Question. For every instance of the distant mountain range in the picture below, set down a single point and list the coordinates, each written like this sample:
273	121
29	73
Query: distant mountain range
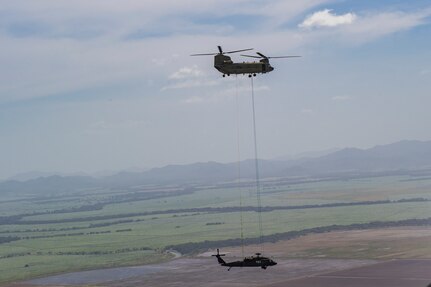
403	155
399	156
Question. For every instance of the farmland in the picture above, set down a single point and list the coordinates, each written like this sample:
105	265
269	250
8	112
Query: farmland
88	229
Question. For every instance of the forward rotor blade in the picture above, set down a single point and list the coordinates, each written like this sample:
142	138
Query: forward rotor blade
251	56
209	54
220	49
236	51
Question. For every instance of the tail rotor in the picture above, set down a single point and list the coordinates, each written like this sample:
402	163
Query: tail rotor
219	259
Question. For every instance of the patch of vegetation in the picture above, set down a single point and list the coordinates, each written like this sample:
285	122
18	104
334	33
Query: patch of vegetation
8	239
124	230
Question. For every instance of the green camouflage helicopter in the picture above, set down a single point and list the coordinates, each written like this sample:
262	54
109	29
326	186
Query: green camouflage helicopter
226	66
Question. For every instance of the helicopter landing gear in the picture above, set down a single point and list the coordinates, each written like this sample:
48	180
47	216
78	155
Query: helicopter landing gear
249	76
224	75
254	75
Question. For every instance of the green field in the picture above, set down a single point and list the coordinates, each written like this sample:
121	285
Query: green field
119	228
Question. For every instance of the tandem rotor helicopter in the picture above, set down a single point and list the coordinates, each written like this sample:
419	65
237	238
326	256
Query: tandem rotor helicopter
226	66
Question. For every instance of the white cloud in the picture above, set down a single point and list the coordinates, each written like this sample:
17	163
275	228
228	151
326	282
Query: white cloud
424	72
88	47
341	98
194	100
307	111
36	65
190	84
226	91
244	88
189	77
187	73
326	18
372	26
81	46
103	126
366	27
48	67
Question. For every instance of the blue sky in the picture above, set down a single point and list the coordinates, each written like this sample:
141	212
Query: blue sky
109	85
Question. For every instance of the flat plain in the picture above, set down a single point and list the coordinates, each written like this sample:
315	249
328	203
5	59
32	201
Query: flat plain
93	229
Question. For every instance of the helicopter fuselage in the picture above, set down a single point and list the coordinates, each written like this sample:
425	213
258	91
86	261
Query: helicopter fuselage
262	262
252	261
226	66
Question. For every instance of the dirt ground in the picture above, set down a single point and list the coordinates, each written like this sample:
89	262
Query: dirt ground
388	243
293	273
348	258
197	272
394	273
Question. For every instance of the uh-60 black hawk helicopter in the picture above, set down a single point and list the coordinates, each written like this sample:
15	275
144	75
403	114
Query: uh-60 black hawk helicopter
252	261
226	66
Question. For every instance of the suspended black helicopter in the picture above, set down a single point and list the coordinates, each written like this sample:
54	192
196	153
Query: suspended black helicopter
226	66
252	261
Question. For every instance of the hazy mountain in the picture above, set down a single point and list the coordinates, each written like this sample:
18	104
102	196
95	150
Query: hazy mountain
25	176
309	154
51	185
404	155
396	156
31	175
399	155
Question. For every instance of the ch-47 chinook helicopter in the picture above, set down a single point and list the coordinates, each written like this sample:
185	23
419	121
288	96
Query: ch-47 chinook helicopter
226	66
253	261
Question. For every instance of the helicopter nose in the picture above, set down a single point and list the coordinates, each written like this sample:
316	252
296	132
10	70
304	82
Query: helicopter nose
271	68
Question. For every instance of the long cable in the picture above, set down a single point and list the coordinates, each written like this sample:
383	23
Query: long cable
256	160
239	164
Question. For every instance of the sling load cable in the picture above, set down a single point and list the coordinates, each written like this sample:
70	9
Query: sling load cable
239	165
256	160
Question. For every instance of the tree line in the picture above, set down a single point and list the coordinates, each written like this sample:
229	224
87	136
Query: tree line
195	247
17	219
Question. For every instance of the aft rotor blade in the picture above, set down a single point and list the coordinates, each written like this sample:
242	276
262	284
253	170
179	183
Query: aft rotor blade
236	51
276	57
209	54
262	55
251	56
284	57
220	49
